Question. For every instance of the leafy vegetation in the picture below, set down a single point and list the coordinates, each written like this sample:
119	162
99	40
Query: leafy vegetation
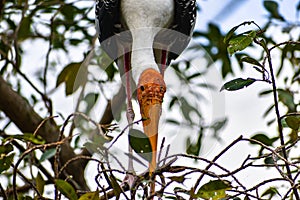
46	150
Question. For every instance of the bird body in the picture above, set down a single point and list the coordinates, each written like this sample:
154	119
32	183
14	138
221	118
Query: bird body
145	19
172	23
144	36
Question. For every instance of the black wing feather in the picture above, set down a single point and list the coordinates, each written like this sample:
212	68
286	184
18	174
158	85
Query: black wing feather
185	16
184	22
107	17
108	23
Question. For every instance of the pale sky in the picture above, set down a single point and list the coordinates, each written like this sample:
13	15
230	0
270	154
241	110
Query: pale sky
243	108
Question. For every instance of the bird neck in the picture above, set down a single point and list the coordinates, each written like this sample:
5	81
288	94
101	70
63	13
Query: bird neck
145	19
142	56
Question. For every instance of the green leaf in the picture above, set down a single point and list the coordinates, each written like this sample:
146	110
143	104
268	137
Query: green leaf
66	189
287	98
264	44
258	69
29	137
218	125
237	84
26	197
90	196
230	34
267	112
268	160
195	75
90	99
47	154
140	143
73	75
170	197
263	138
111	71
194	148
107	64
58	39
173	121
5	149
293	122
75	41
266	92
178	179
97	143
187	109
240	42
69	11
116	187
92	147
272	8
214	190
293	136
250	60
173	101
270	192
40	183
24	30
207	86
6	161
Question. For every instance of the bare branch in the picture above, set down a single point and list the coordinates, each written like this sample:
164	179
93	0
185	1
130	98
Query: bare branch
27	120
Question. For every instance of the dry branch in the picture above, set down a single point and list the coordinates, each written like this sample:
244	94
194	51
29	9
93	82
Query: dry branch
20	112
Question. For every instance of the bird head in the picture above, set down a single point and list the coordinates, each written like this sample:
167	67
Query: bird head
150	93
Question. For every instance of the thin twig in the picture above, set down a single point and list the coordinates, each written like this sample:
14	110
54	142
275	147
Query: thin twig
216	158
283	43
3	192
28	151
123	131
280	128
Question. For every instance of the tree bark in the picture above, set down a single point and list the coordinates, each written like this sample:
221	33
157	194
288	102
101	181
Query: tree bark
27	120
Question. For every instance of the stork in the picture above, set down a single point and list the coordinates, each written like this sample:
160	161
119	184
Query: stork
143	37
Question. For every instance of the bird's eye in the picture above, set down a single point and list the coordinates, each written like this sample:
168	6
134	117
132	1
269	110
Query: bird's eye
142	88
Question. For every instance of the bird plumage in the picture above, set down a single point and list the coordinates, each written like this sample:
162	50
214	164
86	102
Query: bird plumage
145	36
109	25
145	19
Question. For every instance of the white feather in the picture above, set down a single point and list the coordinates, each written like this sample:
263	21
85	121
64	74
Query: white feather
145	18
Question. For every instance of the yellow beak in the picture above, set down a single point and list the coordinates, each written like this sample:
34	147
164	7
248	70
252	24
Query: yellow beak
150	92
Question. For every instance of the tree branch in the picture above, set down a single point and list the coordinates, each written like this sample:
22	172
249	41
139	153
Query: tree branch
27	120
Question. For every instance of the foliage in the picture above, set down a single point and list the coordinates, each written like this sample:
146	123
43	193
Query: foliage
140	143
47	151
